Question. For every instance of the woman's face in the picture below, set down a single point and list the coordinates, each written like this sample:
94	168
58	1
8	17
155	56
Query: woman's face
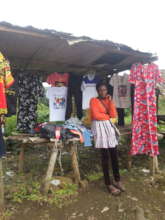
102	91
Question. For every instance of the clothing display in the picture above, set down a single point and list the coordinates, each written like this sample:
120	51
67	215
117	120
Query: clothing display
106	154
144	127
29	90
121	90
54	78
6	80
11	96
74	90
75	124
57	103
88	88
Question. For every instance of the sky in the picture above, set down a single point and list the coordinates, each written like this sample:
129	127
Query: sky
136	23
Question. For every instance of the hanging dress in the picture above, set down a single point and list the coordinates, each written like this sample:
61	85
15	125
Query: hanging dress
6	80
144	127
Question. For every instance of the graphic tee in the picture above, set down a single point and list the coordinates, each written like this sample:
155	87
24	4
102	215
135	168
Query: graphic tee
57	103
121	91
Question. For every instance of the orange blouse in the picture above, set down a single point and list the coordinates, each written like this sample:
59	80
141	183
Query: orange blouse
98	111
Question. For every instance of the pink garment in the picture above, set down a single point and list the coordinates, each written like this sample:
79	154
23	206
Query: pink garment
144	127
58	77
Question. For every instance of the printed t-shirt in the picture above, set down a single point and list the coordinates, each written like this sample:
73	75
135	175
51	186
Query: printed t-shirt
57	103
121	91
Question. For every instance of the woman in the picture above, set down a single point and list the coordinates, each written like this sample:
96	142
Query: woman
102	111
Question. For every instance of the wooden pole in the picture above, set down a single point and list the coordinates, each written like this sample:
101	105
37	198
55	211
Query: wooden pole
75	165
51	166
154	165
2	202
21	159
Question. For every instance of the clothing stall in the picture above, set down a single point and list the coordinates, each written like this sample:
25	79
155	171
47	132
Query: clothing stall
72	74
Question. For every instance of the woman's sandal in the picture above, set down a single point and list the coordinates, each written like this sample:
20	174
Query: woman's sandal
119	186
113	190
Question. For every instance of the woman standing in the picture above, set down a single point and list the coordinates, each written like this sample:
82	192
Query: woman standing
102	111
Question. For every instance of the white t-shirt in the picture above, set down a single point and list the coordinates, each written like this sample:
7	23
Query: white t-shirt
121	90
88	88
57	103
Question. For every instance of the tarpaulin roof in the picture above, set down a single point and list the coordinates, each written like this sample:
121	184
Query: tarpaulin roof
48	50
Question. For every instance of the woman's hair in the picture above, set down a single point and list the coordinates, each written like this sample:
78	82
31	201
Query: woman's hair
99	84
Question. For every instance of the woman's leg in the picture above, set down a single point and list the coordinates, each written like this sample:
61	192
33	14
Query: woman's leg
105	166
115	163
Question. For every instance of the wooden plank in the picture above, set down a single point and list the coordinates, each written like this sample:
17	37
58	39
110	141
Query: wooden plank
51	166
2	200
75	164
21	159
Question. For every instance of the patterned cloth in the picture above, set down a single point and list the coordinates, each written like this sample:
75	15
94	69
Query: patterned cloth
104	134
30	89
6	80
144	127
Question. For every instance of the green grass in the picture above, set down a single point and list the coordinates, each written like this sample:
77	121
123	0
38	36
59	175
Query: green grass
161	105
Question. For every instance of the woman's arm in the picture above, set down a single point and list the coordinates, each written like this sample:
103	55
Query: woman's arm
112	111
95	113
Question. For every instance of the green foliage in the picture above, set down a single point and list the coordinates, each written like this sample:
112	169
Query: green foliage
94	176
31	191
10	125
42	113
162	105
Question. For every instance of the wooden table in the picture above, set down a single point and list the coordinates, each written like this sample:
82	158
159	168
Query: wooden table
55	145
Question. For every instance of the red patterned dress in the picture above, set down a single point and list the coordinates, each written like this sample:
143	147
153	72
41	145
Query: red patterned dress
144	127
6	80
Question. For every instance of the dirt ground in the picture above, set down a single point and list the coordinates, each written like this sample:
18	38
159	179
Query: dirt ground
143	194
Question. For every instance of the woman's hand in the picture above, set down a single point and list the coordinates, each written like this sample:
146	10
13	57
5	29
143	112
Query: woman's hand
109	97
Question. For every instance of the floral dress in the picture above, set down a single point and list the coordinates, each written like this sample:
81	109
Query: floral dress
144	127
6	80
29	90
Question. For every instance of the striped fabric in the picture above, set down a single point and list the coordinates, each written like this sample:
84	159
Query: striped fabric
104	134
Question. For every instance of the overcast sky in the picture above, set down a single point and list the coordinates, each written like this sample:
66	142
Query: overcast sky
137	23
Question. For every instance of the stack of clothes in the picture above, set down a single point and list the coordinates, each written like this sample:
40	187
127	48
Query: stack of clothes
70	129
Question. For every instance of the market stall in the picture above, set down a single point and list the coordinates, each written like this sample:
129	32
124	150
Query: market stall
72	66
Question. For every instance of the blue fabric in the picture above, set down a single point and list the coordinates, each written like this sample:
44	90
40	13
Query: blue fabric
88	81
85	132
87	138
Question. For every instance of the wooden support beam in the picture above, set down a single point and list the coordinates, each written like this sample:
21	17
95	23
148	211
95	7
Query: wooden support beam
2	200
75	165
21	159
154	166
51	166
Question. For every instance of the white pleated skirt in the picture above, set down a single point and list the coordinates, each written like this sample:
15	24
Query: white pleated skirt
104	134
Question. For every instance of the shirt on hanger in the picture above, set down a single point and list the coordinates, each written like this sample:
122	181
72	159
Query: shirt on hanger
57	103
88	88
53	78
121	90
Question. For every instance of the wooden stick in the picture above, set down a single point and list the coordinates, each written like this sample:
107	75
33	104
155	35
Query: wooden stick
154	165
21	159
2	201
75	164
51	166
